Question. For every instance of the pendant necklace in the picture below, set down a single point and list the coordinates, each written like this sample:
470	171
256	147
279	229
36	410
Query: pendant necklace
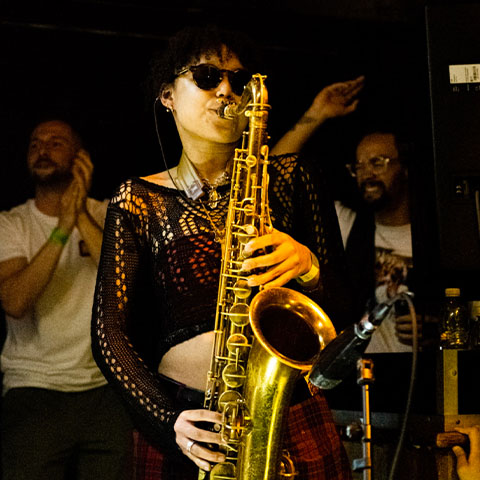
219	232
213	196
196	187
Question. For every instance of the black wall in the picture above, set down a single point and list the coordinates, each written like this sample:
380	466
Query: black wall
89	60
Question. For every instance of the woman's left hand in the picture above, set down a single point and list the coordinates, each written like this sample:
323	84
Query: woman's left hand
286	259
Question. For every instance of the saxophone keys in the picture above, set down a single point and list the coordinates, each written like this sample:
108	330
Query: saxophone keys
238	345
241	289
251	161
229	397
233	375
245	233
235	420
223	471
239	314
249	209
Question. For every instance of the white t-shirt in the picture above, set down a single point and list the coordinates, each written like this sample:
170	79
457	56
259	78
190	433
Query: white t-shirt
393	259
50	347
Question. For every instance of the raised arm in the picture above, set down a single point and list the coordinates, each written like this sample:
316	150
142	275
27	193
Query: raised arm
21	281
335	100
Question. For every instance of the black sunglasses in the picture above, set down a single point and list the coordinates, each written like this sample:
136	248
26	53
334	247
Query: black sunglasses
208	76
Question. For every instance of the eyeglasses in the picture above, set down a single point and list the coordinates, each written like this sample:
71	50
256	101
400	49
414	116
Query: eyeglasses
375	164
208	76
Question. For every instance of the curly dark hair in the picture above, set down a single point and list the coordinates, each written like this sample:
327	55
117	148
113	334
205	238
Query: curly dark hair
190	43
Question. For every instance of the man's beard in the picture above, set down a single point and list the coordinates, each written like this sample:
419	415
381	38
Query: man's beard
377	200
53	179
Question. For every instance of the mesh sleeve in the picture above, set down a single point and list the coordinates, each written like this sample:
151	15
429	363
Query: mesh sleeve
113	320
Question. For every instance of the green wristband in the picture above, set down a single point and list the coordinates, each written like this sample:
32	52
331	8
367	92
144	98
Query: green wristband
58	236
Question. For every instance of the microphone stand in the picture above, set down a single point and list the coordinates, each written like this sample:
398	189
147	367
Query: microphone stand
365	378
341	356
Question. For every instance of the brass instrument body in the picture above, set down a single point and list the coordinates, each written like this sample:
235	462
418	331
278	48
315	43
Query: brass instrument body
242	224
247	218
289	331
253	367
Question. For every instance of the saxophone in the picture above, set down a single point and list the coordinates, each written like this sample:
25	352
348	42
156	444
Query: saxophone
261	345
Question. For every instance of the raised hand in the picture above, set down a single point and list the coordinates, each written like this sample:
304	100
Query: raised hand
82	171
69	207
336	100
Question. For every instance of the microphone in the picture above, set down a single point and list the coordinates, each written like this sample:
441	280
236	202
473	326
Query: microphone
340	356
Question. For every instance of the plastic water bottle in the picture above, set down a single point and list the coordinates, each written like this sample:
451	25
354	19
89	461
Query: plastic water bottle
455	320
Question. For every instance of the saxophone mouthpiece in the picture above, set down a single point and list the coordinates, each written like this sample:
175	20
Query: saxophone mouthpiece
227	110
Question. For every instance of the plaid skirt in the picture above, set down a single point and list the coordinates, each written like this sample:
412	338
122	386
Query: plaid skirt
311	438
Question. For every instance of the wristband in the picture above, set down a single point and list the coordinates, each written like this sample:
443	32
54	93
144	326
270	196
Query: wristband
58	236
311	274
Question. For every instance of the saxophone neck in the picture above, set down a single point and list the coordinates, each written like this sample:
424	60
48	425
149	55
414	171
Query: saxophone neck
254	95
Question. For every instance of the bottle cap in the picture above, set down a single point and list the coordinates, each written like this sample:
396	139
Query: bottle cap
452	292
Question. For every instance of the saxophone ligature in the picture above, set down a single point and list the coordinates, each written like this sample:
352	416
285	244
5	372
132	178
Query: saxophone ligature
261	344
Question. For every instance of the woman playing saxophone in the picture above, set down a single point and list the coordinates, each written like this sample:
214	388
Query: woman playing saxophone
156	292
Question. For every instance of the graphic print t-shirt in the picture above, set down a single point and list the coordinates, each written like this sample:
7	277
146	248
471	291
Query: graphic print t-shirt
393	262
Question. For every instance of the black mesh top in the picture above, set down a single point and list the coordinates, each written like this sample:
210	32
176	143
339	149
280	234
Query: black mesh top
157	283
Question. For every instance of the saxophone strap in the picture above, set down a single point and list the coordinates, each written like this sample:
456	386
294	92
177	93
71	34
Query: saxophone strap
196	187
188	179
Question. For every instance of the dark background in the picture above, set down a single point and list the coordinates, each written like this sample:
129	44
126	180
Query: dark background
89	59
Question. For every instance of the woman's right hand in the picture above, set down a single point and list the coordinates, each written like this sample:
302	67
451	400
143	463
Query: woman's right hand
193	441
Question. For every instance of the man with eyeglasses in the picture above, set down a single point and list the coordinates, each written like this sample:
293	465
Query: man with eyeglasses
382	220
377	234
59	417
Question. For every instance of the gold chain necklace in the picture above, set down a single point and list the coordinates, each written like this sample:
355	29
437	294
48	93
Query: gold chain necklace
219	232
213	196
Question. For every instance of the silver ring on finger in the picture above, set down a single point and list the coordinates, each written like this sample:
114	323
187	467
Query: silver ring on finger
190	444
